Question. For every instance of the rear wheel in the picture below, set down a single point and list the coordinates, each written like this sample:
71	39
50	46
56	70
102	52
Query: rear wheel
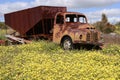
67	43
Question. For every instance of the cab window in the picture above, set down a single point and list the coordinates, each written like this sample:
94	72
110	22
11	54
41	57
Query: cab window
71	18
59	19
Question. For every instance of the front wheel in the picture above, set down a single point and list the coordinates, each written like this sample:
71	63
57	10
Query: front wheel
67	43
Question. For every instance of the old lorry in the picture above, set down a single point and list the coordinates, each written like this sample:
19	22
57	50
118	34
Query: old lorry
54	24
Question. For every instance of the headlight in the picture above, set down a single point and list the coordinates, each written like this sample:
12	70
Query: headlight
80	36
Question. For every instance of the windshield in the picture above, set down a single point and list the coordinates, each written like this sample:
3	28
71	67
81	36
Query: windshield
75	18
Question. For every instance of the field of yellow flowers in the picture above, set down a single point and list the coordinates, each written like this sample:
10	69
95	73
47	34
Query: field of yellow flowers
47	61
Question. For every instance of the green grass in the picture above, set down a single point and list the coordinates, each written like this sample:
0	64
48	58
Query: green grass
47	61
2	34
117	30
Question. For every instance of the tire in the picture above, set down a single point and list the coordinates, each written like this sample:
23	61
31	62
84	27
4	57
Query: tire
67	43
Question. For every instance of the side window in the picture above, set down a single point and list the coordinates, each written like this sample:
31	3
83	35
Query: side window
59	19
82	19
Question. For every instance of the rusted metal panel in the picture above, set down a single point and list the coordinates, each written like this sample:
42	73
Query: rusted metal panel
35	14
50	13
22	21
78	31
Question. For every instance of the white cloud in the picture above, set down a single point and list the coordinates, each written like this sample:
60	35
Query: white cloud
91	3
114	19
1	14
109	12
76	3
9	7
112	14
71	4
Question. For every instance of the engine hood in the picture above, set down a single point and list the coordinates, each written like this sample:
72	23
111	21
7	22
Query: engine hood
80	28
79	25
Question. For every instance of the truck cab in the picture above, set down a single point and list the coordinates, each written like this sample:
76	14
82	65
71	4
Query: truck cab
72	28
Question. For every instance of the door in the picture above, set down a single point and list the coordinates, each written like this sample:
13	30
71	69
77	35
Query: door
58	25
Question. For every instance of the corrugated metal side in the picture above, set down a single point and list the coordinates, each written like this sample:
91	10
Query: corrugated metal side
35	14
49	12
24	20
19	21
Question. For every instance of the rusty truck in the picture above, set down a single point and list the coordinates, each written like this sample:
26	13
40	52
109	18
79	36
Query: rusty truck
55	24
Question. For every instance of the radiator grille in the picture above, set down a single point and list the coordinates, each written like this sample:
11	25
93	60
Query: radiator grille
93	37
88	37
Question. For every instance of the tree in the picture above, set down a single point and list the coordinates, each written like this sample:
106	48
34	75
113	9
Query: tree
117	24
2	25
104	26
104	18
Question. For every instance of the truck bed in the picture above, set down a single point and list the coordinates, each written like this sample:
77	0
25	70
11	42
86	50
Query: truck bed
33	21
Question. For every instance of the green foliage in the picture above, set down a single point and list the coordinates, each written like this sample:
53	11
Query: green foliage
104	26
117	25
2	34
108	28
47	61
104	18
117	29
112	49
2	25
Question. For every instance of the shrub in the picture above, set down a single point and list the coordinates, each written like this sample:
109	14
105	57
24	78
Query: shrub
104	26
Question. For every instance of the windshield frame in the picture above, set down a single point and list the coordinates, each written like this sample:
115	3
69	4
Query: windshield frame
73	18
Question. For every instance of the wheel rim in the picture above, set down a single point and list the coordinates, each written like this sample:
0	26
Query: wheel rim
67	45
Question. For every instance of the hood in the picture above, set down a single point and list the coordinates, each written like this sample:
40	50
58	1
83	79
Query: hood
79	25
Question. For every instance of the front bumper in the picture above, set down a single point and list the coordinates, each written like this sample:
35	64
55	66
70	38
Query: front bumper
99	43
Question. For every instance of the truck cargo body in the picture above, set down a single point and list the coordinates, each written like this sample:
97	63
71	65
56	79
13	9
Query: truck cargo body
33	21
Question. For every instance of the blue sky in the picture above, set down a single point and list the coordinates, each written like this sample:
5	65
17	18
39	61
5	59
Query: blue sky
92	8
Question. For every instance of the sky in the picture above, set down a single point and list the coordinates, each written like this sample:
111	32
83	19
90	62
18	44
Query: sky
93	9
